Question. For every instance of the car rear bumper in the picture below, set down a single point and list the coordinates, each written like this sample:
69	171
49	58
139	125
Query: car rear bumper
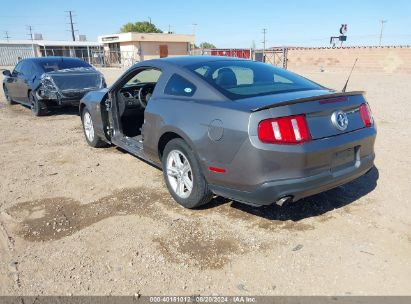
262	174
59	100
297	188
68	102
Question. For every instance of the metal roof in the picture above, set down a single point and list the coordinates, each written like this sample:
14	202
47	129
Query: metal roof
50	43
146	37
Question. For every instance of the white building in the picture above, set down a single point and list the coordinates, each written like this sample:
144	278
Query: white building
128	48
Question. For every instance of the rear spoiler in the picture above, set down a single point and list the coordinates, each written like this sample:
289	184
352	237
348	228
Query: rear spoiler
305	99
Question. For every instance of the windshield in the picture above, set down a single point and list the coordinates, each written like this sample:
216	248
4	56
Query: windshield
242	79
61	64
144	76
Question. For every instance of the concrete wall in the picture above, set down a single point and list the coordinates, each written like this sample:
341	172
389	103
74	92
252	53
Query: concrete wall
370	59
150	50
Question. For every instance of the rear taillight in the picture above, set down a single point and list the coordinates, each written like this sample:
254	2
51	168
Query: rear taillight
366	115
284	130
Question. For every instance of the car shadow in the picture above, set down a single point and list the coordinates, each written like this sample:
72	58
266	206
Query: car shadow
56	111
312	206
68	110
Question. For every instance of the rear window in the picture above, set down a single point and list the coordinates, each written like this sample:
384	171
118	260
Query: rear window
61	64
242	79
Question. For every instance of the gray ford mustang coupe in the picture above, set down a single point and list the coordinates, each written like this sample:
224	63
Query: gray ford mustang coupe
240	129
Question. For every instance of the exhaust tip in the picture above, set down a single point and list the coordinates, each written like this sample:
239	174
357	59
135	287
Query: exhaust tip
284	200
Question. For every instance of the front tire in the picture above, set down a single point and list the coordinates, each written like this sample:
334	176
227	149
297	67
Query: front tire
89	130
183	175
38	107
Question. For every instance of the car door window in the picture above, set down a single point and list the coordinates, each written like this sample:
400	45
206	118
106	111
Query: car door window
145	76
179	86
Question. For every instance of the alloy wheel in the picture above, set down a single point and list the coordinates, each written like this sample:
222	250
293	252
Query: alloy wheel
88	126
179	173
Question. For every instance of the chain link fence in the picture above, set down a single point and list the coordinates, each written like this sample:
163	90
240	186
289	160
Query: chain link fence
122	59
97	56
274	56
9	56
238	53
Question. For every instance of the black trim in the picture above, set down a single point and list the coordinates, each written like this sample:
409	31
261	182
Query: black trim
305	99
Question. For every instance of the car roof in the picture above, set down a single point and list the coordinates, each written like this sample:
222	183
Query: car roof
189	60
51	59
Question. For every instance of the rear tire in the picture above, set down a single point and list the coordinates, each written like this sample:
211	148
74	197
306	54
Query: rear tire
9	100
38	107
183	176
89	130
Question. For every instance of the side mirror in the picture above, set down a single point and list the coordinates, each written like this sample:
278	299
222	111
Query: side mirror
7	73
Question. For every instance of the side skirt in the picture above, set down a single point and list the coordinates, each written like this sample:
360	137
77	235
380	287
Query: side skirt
134	145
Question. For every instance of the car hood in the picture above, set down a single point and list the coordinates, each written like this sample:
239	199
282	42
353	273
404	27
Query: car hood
77	79
97	95
269	101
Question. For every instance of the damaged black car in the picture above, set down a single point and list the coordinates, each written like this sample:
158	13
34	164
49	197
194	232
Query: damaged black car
46	82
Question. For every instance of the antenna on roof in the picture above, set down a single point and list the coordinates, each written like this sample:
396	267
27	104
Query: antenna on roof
348	79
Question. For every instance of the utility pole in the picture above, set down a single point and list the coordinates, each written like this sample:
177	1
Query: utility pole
6	35
194	28
382	28
72	25
264	42
194	34
30	34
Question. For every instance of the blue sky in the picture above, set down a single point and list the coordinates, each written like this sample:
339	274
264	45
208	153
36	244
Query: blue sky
225	23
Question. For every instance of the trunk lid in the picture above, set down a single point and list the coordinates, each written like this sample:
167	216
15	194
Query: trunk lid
77	79
322	109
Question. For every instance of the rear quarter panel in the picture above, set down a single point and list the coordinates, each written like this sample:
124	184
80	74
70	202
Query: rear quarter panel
213	129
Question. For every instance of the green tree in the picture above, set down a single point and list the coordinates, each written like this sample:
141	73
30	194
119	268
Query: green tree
140	27
207	45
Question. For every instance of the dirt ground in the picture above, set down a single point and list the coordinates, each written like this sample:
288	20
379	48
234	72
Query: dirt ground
78	220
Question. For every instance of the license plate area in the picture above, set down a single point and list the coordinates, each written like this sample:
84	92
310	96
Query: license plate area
345	159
